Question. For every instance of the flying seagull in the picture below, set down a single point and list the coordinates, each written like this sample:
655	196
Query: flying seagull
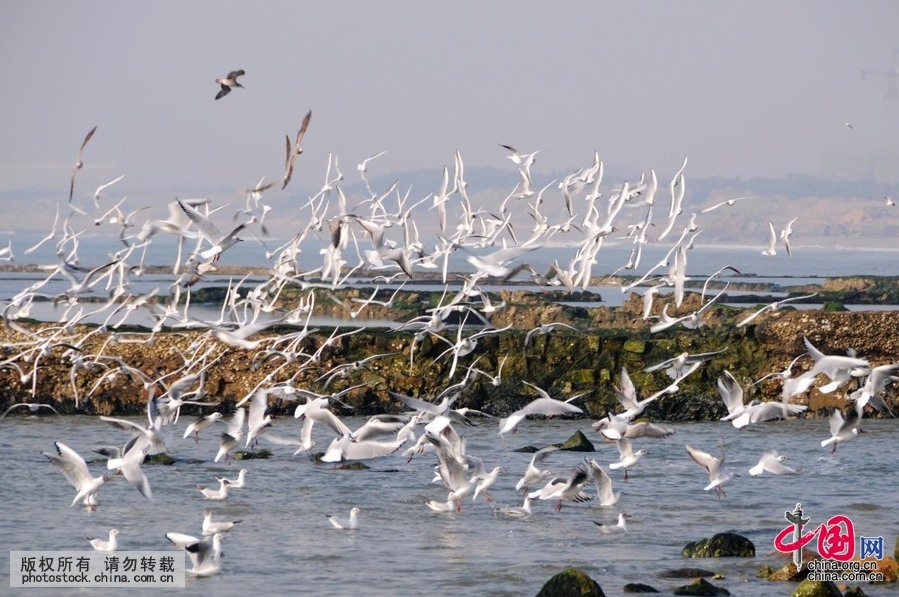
78	163
295	150
229	82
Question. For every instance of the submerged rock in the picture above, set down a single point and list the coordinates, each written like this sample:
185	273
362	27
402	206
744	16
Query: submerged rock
636	587
686	573
817	588
571	583
578	442
252	455
700	586
720	545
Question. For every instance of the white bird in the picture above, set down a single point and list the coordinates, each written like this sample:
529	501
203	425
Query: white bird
875	383
758	412
208	230
205	556
603	483
544	329
775	306
771	462
676	366
545	406
615	427
564	488
75	470
728	202
211	527
215	494
110	544
839	368
842	430
516	511
200	424
628	457
350	523
486	481
713	466
258	421
621	527
534	473
772	242
732	393
231	438
785	235
237	483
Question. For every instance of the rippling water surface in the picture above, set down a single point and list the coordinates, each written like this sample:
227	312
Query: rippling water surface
285	545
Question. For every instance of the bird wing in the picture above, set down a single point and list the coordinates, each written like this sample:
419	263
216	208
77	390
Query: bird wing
704	459
71	464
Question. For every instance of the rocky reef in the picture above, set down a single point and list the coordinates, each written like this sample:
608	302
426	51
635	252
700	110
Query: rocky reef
86	370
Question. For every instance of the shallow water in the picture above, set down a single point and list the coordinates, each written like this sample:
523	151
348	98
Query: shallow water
285	544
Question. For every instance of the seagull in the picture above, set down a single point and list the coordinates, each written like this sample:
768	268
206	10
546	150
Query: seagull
842	430
785	235
732	393
564	488
215	494
545	405
206	556
614	427
74	468
677	365
220	242
628	457
33	409
728	202
621	527
848	125
211	528
771	461
889	201
229	83
603	483
293	151
772	241
875	383
351	523
758	412
200	424
237	483
534	473
486	481
775	306
105	545
544	329
78	163
712	466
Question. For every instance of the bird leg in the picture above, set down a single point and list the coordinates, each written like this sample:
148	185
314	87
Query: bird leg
559	506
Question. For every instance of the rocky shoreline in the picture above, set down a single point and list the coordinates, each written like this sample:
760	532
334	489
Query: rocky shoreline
563	362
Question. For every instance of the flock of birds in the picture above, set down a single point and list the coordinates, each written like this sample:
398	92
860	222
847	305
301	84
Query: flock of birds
379	236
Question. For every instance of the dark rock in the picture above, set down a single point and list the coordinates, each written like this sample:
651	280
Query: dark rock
854	592
527	449
161	458
702	587
686	573
353	466
577	443
816	588
720	545
788	572
571	583
252	454
636	587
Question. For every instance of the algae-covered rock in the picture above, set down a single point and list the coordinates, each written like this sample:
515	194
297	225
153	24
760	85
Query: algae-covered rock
686	573
788	573
720	545
635	346
817	588
252	454
701	586
571	583
577	443
354	466
636	587
161	458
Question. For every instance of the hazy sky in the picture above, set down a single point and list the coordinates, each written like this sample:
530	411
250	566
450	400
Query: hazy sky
741	88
